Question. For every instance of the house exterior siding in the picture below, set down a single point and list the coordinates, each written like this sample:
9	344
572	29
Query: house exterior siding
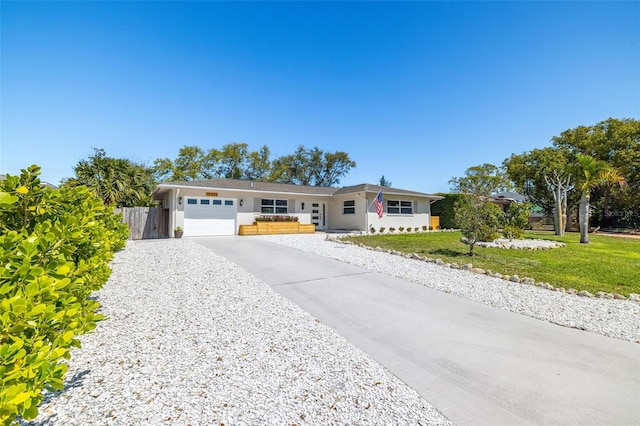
349	208
419	218
351	221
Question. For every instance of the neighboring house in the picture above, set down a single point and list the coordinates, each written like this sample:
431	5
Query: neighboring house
220	206
504	199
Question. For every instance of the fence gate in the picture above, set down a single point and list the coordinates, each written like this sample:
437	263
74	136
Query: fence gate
146	222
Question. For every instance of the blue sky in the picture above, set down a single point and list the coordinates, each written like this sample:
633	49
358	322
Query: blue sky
417	91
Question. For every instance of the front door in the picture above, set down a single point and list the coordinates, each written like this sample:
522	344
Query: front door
319	215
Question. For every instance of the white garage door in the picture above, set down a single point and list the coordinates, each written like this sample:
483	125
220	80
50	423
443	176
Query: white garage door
205	216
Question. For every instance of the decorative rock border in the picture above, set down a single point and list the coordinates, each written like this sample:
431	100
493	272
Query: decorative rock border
469	267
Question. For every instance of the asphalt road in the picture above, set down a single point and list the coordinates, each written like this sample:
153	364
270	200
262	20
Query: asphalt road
477	364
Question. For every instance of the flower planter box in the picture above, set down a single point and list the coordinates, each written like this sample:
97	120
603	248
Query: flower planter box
307	229
271	228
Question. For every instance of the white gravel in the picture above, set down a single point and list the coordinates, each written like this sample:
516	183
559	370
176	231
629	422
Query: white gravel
192	339
506	243
614	318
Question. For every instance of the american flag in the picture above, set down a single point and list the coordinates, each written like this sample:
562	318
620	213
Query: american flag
378	203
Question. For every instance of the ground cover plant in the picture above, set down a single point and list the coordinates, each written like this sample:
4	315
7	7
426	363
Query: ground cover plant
55	247
608	264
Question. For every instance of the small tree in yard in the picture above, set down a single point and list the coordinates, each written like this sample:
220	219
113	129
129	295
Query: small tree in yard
477	219
475	215
517	220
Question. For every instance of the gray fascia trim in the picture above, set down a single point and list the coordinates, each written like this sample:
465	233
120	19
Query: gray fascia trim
262	191
407	194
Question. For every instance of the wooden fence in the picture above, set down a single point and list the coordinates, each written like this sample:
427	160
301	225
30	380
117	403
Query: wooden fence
434	222
146	222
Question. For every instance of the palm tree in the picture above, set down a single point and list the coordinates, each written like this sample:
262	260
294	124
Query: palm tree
591	174
118	182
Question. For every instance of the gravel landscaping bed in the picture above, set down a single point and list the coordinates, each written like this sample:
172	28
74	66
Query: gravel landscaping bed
614	318
192	339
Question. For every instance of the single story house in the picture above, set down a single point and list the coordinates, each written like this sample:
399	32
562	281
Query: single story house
220	206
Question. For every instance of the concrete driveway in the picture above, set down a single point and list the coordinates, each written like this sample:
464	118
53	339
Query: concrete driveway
477	364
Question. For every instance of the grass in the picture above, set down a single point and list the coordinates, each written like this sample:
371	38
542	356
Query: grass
608	264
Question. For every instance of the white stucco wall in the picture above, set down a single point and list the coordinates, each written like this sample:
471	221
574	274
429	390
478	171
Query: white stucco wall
339	220
247	212
364	218
419	218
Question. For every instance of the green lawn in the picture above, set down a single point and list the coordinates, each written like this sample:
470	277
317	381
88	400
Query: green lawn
609	264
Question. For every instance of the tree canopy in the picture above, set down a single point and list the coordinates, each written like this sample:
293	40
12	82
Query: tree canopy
117	181
615	142
482	180
312	167
527	171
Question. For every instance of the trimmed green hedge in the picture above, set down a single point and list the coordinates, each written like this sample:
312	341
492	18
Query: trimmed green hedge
445	210
55	247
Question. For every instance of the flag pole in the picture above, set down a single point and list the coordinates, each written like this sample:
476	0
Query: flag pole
373	201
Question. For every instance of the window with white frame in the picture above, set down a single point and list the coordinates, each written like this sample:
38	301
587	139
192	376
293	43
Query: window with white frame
349	207
270	206
399	207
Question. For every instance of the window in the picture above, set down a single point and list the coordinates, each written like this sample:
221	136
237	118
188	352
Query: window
274	206
228	202
217	202
281	207
192	201
349	207
399	207
207	202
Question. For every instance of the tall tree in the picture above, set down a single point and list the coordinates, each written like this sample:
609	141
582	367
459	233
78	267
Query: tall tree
117	181
334	166
232	160
541	175
291	168
617	143
591	174
259	164
192	163
384	182
559	184
312	167
528	170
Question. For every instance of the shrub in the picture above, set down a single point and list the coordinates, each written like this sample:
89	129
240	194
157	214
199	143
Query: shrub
512	232
445	209
276	218
382	228
416	229
487	233
55	246
431	228
392	229
425	227
517	220
372	230
401	228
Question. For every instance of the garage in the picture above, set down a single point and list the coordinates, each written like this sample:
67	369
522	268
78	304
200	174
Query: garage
205	216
